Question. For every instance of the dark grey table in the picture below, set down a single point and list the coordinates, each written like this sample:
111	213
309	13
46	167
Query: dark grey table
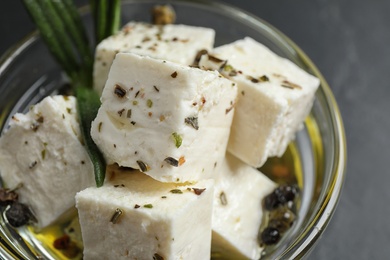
349	41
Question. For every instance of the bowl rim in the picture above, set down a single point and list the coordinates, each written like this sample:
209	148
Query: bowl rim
306	241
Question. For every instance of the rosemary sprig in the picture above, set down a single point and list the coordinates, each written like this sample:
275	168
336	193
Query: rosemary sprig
88	103
63	32
107	17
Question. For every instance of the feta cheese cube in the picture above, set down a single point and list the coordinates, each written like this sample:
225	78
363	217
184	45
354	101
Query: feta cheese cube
133	216
173	42
237	214
168	120
42	150
275	96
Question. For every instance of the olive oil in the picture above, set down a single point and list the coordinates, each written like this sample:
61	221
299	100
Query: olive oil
287	169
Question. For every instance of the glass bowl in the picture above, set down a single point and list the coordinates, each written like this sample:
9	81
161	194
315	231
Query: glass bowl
318	155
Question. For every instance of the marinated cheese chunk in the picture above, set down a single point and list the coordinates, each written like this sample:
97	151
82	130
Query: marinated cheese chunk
237	213
42	152
275	96
168	120
133	216
173	42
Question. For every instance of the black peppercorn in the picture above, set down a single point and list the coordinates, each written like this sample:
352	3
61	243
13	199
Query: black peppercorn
270	236
18	214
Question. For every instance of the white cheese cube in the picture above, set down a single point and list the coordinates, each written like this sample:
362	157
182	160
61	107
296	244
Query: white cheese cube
275	96
237	214
136	217
168	120
173	42
42	151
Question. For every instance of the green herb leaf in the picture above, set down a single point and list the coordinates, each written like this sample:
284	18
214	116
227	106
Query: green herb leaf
88	103
178	139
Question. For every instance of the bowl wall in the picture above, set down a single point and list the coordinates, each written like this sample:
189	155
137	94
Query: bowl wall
28	73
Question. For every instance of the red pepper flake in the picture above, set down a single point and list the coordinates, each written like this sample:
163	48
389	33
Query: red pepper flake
198	191
182	160
67	246
150	114
119	91
174	74
62	242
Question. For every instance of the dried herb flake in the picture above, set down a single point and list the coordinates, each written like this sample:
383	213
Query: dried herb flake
172	161
117	214
192	121
119	91
143	166
149	103
223	199
176	191
178	139
198	191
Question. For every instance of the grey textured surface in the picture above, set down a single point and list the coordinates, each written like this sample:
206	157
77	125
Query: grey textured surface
349	42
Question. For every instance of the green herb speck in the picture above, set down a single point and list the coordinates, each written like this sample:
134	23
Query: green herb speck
148	206
178	139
